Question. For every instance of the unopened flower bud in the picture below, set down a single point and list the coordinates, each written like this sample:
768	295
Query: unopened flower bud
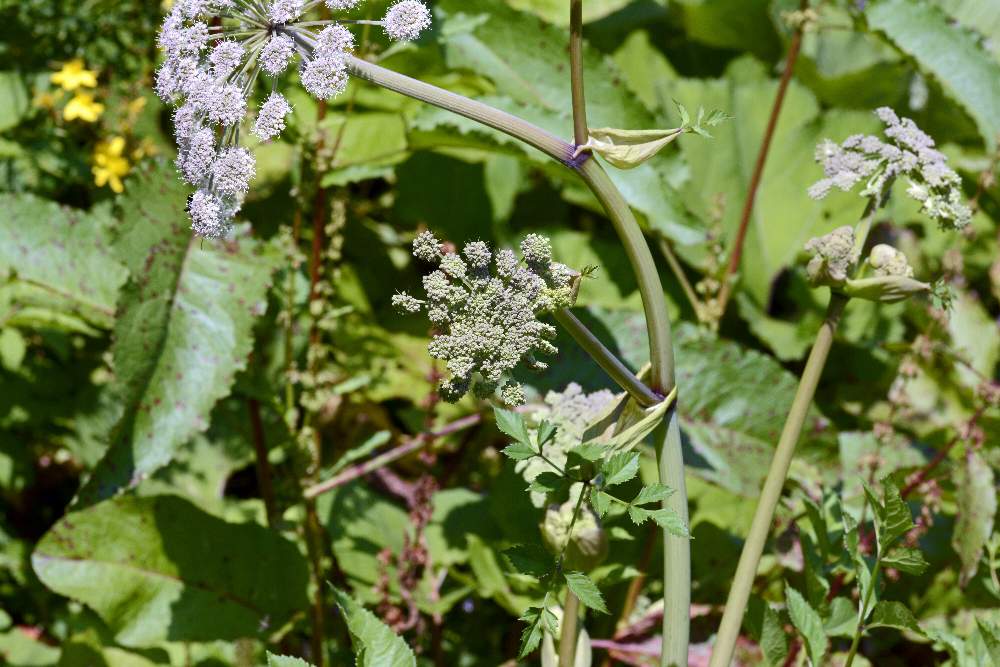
586	547
888	261
887	289
833	257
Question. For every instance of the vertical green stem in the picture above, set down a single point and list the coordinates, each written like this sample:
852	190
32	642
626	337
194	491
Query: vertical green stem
746	570
856	640
580	131
676	550
568	630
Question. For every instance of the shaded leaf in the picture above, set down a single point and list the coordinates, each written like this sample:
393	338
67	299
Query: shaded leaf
620	468
766	628
889	614
529	559
905	559
159	569
512	424
285	661
976	495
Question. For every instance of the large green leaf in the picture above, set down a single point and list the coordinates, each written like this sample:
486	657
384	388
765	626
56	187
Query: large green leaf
808	623
160	569
950	53
14	102
532	82
184	329
976	495
375	645
56	264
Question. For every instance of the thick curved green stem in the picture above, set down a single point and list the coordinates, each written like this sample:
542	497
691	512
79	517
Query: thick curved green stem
580	131
746	570
613	366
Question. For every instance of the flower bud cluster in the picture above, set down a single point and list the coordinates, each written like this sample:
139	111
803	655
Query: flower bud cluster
215	52
486	307
909	153
833	257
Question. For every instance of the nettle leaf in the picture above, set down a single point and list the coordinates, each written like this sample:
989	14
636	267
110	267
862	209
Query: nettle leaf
586	590
954	56
285	661
529	559
842	618
906	559
975	493
512	424
653	493
892	519
375	645
58	264
887	614
808	623
184	330
765	626
159	569
620	468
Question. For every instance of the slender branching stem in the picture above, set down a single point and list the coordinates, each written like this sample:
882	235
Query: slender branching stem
265	483
580	130
736	254
863	614
678	271
746	570
611	364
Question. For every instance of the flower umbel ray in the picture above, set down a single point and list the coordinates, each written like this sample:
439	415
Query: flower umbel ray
217	51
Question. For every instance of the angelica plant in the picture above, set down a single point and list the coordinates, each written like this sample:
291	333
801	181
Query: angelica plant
216	53
836	263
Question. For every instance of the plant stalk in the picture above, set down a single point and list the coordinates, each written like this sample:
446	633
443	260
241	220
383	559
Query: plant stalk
568	630
856	640
611	364
746	570
677	578
581	133
736	255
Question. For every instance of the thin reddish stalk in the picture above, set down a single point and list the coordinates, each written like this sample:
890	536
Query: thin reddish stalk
265	483
736	255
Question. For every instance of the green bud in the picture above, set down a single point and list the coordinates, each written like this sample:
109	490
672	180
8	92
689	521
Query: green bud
887	289
588	545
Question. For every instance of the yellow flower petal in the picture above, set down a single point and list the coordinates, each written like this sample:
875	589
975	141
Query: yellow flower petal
83	107
74	75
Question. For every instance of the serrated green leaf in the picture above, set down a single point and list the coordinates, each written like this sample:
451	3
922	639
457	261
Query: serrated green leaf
905	559
841	619
548	482
892	519
512	424
184	330
529	559
953	56
285	661
990	635
668	519
546	431
589	451
653	493
808	623
586	590
890	614
620	468
976	496
531	636
600	501
159	569
519	451
375	645
766	628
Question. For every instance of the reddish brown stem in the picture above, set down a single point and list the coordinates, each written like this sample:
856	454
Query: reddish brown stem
264	479
920	477
736	255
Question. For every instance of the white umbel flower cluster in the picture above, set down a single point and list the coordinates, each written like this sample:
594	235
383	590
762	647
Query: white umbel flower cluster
486	310
909	153
216	51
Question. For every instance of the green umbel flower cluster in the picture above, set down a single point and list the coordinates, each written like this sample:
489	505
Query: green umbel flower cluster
486	308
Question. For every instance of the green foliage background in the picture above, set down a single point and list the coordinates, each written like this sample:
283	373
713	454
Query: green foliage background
140	367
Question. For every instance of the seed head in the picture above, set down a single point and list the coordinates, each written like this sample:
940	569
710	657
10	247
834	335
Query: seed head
406	19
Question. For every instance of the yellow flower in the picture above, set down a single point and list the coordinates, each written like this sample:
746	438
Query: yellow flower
73	75
46	100
84	107
136	106
109	165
